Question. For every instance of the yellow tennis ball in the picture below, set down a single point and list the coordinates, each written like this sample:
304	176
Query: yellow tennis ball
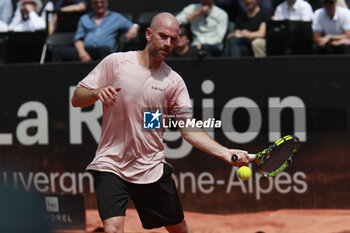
244	173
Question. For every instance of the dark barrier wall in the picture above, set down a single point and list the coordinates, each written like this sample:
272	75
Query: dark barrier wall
45	144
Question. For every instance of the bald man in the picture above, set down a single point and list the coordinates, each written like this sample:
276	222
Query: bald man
129	161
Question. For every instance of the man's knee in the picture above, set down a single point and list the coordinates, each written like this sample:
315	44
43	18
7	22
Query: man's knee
259	47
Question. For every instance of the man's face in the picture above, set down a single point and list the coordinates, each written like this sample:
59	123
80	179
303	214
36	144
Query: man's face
26	3
99	6
162	39
183	39
27	6
206	2
330	7
251	4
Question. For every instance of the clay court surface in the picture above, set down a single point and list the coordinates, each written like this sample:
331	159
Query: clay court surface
280	221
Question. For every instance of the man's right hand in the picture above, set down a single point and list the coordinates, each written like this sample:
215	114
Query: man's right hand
107	95
84	57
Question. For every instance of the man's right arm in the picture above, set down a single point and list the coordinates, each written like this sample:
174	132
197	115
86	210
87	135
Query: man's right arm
84	97
82	53
74	7
319	39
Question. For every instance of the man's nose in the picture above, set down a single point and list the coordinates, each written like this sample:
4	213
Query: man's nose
168	42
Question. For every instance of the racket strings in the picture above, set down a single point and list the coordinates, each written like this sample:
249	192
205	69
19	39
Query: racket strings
278	155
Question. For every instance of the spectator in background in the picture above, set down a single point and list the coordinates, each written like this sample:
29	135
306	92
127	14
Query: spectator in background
26	17
331	29
316	4
6	10
96	34
66	6
296	10
208	24
249	37
183	47
235	8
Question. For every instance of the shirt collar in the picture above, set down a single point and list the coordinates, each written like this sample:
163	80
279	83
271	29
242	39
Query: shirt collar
336	14
295	5
91	13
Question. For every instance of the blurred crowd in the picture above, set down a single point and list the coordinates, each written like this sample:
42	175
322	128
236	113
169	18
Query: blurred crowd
221	28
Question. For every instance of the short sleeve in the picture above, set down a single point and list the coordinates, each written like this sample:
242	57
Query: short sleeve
80	33
316	22
181	17
179	101
346	22
102	75
124	22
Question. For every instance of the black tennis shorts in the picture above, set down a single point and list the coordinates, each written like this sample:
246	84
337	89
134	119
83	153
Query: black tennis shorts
157	204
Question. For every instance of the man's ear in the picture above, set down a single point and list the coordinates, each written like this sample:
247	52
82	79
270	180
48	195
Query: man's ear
148	34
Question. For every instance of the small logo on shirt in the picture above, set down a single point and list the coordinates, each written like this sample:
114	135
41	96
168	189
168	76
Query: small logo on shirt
151	119
157	88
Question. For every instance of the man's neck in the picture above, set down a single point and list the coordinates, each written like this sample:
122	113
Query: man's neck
210	5
252	12
331	13
291	2
147	60
101	15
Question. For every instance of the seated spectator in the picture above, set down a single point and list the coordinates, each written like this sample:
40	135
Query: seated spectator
96	34
316	4
235	8
208	24
6	10
26	17
249	37
297	10
66	6
331	29
183	47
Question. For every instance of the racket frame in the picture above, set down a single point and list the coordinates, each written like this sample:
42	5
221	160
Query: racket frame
260	157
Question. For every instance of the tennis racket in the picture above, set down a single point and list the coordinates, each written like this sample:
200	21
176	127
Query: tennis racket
276	158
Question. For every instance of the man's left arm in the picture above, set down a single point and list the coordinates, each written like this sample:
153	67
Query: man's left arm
340	39
260	33
132	32
198	138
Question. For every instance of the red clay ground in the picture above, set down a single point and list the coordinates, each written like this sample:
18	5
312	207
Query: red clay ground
280	221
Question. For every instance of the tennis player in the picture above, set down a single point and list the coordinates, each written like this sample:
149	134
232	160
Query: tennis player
129	161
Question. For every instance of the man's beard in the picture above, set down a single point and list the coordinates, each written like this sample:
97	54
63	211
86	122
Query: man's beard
155	53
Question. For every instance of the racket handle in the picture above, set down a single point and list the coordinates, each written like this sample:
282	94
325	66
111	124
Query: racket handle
235	157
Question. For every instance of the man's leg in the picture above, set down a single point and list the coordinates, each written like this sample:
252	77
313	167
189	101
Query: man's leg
114	224
259	47
98	53
64	53
181	227
112	199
